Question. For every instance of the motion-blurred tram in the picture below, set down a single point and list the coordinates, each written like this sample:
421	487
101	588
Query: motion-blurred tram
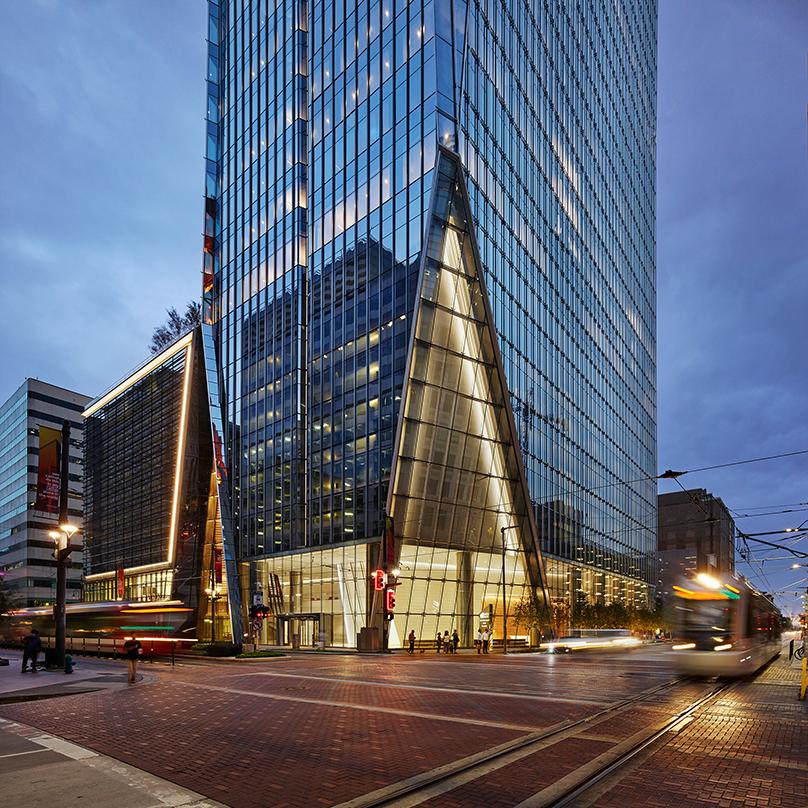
102	627
723	629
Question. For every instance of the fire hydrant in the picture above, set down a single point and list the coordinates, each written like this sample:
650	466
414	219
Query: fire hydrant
68	663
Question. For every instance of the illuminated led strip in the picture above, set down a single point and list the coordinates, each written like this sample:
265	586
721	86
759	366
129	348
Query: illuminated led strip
139	374
184	343
159	565
175	505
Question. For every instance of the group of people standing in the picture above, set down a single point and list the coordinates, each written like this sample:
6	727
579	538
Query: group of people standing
483	640
448	643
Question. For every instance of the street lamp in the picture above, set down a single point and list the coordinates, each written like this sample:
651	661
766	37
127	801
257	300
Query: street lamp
504	593
213	593
61	538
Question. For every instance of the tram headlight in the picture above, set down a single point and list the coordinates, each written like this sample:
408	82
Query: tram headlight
708	582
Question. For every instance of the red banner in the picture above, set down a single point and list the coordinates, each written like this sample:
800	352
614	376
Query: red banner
121	579
48	476
217	565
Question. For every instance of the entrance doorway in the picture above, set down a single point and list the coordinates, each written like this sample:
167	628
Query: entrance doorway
299	630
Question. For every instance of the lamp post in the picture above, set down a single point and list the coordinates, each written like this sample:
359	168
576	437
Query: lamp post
214	593
504	592
61	538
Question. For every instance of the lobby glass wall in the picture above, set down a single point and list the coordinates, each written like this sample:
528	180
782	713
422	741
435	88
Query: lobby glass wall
310	593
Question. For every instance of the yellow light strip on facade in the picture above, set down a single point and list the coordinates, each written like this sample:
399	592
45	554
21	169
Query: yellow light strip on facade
185	343
139	374
128	570
175	504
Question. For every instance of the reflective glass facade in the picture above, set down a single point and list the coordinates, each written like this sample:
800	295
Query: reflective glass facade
148	478
326	128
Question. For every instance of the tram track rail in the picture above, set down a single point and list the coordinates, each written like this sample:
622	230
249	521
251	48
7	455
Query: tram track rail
442	780
612	761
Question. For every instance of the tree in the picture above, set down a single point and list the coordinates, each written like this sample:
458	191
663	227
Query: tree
175	326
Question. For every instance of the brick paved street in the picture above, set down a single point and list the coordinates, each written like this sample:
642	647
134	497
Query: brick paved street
321	730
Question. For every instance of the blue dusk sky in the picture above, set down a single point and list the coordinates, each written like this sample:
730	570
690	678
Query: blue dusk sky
101	212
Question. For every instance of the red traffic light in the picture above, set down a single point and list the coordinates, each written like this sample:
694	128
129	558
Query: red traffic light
391	599
379	579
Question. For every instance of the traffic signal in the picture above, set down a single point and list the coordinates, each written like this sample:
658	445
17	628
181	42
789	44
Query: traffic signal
391	600
379	579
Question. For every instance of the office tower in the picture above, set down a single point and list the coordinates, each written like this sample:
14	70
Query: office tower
150	500
26	550
695	533
429	288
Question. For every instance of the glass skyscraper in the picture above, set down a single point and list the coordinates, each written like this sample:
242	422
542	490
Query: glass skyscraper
429	303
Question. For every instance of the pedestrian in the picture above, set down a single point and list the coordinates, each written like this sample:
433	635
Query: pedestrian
478	643
132	650
455	641
411	638
486	640
439	641
447	643
31	649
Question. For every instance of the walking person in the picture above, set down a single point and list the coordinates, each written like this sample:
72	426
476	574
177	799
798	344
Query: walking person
411	639
455	641
479	641
486	640
439	641
31	649
132	650
447	643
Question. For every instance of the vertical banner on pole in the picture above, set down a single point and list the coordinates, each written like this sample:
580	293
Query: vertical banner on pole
48	479
217	565
121	581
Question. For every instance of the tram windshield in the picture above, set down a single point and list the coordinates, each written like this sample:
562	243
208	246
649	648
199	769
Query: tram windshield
706	617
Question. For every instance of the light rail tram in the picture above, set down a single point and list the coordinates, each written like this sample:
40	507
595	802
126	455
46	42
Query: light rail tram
723	628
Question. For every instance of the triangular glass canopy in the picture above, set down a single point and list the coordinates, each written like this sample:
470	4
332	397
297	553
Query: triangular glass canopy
458	478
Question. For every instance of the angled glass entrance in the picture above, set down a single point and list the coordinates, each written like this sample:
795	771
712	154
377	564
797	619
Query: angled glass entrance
459	497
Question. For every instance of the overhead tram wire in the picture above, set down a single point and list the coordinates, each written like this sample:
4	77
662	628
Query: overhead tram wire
670	474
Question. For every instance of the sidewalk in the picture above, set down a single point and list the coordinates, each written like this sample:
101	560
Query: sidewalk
50	771
88	675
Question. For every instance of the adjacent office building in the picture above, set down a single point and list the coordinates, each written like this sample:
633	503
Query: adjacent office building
696	533
150	492
429	305
26	551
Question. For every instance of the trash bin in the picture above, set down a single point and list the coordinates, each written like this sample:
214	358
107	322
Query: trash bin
50	658
296	641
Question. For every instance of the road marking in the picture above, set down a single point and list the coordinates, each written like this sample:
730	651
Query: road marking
65	748
441	689
29	752
524	728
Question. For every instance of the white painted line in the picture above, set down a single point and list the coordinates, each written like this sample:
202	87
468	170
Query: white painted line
17	754
526	728
438	688
65	748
